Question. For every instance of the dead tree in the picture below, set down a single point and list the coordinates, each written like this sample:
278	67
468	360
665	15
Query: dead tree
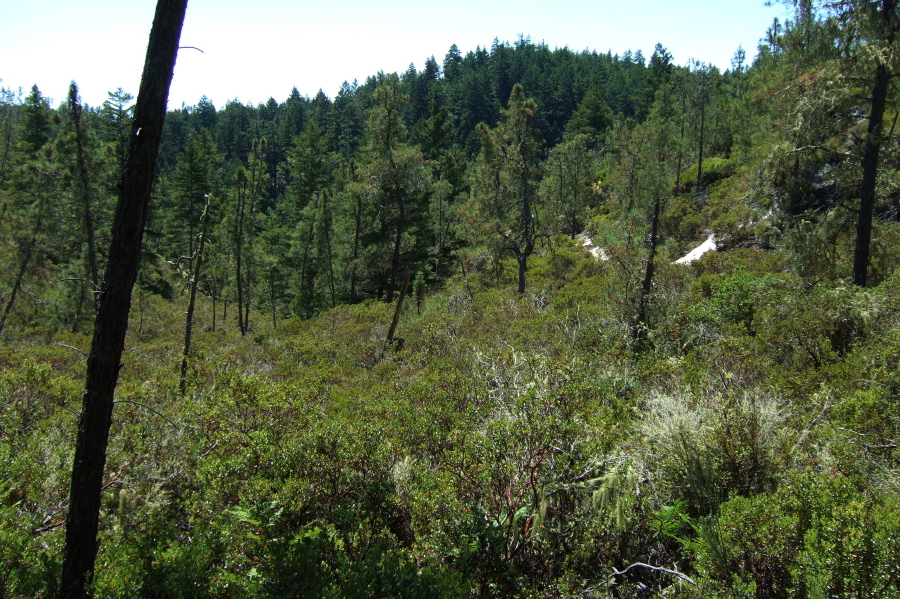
195	283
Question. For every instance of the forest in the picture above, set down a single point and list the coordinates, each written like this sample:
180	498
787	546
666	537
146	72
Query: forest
432	337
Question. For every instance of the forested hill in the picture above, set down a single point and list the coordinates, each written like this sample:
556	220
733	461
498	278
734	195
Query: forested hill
304	164
442	342
472	88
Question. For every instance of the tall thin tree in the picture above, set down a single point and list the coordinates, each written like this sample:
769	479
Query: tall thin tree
111	322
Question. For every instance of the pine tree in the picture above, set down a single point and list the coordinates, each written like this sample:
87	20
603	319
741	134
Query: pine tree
115	117
308	161
38	124
566	187
190	186
394	177
592	118
505	185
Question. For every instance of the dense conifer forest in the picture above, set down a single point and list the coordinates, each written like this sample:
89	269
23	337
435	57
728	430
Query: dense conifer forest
432	337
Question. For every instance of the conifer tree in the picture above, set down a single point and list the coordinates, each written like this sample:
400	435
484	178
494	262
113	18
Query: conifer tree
37	121
191	185
393	175
115	117
566	187
505	184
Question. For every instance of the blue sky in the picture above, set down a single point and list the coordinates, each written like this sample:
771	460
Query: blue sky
261	49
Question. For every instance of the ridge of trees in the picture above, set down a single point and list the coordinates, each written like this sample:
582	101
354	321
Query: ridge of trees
325	201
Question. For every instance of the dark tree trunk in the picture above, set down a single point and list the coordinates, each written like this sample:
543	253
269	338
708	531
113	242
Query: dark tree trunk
640	328
870	157
111	322
528	233
522	259
398	309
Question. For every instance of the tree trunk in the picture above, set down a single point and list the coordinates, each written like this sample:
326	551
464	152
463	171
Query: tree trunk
640	328
111	322
195	282
238	253
398	309
306	284
326	233
522	259
528	232
272	296
870	158
700	157
357	225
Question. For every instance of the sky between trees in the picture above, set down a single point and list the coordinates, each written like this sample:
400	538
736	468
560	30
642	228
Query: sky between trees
253	51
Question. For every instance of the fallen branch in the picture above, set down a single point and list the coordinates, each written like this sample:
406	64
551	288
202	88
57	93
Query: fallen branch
655	569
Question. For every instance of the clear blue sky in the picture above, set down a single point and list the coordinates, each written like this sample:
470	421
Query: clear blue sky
261	49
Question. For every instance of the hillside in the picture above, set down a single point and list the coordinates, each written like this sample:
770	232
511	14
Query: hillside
551	419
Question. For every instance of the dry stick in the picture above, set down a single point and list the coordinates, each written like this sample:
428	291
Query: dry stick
399	307
654	568
111	323
195	280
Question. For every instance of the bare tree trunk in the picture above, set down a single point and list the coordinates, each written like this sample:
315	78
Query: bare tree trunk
195	282
111	321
